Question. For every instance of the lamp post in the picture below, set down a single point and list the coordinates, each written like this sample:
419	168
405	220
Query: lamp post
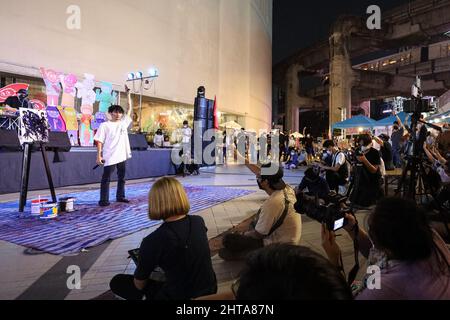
148	80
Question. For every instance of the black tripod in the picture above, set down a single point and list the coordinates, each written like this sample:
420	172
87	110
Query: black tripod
417	187
414	182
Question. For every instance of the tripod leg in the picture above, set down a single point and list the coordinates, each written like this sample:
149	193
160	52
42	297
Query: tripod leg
48	172
401	183
25	176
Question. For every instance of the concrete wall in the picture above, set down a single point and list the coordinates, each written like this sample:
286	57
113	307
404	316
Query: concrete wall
225	45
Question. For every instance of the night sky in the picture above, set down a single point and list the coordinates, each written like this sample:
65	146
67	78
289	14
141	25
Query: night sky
298	24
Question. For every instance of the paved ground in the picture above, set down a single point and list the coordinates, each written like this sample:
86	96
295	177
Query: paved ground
44	276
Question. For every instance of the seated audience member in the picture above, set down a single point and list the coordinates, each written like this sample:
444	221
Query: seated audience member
302	157
336	174
287	272
179	247
276	221
292	160
314	183
413	258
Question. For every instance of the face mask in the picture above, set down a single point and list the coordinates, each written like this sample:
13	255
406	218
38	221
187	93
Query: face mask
329	152
364	148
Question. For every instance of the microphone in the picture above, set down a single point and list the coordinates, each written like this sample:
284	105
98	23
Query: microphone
103	162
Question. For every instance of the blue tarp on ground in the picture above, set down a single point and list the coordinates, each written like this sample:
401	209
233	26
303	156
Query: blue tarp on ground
355	122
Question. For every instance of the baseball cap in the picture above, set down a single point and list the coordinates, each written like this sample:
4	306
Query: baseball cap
275	180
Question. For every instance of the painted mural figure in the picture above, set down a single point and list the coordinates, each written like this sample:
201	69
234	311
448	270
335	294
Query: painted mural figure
52	86
53	90
68	83
87	94
106	97
67	108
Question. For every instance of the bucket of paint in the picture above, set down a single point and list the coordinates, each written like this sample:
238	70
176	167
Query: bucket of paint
49	210
36	206
67	205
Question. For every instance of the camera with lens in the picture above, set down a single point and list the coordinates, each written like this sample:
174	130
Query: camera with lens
416	105
329	211
358	152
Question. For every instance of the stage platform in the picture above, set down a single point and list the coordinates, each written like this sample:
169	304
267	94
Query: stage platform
76	168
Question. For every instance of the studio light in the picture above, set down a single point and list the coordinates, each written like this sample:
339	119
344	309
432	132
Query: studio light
153	72
139	75
131	76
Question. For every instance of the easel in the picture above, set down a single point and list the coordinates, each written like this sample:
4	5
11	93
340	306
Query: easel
26	160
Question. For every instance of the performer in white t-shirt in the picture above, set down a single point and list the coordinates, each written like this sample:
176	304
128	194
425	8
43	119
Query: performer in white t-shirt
114	150
186	142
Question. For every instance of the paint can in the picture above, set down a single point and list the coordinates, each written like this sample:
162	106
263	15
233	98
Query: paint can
49	210
67	204
36	206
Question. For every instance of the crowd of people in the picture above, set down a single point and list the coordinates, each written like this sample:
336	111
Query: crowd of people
400	240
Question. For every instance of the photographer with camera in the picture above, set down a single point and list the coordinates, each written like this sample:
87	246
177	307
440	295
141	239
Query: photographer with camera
367	184
413	258
276	221
337	173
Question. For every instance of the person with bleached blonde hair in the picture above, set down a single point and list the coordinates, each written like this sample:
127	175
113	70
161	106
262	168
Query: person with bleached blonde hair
179	247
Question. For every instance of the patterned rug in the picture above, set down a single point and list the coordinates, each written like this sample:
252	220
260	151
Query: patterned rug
91	225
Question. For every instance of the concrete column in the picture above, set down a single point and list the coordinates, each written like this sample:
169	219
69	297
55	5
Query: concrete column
341	78
292	95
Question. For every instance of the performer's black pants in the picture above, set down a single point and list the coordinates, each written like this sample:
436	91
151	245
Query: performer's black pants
106	178
123	286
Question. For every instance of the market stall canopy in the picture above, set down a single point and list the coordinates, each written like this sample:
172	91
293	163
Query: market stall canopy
231	125
439	118
355	122
389	121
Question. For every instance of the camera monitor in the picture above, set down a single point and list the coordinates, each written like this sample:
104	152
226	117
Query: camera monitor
339	224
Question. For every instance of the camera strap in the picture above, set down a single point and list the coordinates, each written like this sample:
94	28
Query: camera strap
283	215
